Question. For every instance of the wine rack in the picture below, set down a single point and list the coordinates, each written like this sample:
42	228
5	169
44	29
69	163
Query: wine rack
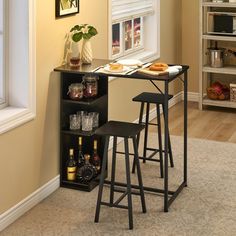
69	138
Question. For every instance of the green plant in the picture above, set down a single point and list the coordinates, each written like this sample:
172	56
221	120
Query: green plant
84	31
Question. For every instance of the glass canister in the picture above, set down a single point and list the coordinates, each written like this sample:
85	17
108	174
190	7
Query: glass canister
75	91
90	86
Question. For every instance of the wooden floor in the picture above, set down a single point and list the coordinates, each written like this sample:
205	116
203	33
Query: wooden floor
212	123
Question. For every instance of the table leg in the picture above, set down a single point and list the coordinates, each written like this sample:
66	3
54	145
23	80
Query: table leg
185	124
166	141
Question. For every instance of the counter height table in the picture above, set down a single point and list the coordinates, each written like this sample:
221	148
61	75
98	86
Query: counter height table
169	195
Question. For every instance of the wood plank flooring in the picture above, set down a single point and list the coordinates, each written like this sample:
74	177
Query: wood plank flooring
212	123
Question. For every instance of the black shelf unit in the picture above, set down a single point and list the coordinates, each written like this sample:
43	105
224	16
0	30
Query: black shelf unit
69	138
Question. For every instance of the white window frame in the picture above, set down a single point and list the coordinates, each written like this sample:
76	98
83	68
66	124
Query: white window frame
20	64
151	40
3	84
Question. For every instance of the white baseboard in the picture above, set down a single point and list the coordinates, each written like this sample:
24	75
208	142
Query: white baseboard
26	204
36	197
192	97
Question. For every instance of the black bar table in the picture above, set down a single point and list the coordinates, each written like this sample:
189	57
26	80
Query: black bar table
169	196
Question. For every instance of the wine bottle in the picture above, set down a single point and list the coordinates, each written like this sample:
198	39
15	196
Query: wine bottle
96	161
71	166
80	160
86	172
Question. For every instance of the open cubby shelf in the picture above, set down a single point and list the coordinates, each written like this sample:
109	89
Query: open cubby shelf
69	138
83	101
80	185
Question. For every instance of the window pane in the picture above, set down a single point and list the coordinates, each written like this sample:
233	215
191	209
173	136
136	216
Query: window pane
115	39
1	53
1	66
1	15
137	32
128	34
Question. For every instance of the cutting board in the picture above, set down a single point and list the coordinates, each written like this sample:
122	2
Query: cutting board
170	70
152	72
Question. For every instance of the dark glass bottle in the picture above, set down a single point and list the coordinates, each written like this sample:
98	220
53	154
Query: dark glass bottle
86	172
80	160
71	166
96	160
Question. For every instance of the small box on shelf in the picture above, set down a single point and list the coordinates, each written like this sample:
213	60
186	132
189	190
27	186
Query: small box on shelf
232	92
218	91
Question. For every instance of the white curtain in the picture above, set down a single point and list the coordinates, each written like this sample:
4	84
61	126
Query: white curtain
126	9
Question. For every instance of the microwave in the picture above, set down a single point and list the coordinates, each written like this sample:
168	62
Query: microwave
221	23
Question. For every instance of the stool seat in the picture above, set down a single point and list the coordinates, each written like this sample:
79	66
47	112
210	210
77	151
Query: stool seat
151	98
120	129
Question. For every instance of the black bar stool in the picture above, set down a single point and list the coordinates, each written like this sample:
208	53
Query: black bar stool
158	99
126	131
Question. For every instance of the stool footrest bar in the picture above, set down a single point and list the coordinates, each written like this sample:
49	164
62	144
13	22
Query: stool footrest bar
149	159
149	189
131	154
155	149
153	124
176	193
121	190
112	205
153	154
120	198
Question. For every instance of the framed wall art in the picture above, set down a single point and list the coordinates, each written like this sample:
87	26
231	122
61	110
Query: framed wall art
66	7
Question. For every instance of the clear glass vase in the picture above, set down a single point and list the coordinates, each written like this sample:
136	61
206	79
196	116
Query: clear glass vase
74	54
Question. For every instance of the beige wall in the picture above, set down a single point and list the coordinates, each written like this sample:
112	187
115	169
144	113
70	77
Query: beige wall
190	41
30	153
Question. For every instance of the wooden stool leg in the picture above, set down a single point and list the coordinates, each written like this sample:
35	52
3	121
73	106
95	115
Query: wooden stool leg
130	210
138	136
113	168
159	139
140	181
169	149
146	134
102	177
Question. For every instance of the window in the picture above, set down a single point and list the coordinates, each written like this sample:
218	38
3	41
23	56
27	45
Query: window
17	71
2	54
116	37
134	28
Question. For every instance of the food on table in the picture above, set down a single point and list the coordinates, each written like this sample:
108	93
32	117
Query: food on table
158	66
115	66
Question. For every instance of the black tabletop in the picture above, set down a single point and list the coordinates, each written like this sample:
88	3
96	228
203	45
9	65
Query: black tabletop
88	69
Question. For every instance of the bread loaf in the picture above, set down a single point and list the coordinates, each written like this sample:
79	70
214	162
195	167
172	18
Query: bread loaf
158	66
115	66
